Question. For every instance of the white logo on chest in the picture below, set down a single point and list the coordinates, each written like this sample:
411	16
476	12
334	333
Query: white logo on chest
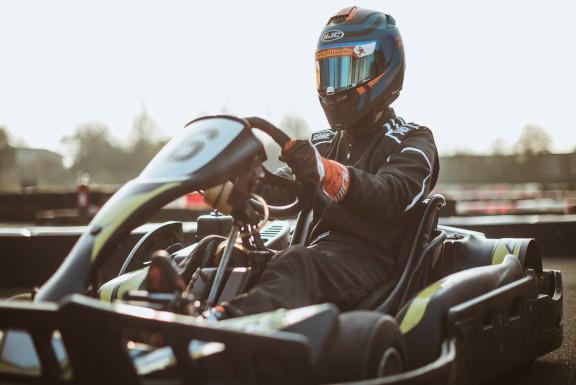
322	136
399	130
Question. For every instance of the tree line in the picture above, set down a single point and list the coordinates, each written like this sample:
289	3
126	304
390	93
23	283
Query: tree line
94	152
533	140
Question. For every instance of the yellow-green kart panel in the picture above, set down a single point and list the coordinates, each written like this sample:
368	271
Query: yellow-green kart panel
117	287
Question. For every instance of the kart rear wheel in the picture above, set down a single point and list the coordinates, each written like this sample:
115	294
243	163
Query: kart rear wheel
366	345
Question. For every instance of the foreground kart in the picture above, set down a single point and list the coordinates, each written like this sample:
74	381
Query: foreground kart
461	308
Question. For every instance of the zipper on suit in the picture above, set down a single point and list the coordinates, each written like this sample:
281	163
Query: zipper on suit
349	154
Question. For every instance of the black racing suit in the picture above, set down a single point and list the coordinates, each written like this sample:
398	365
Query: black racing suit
393	165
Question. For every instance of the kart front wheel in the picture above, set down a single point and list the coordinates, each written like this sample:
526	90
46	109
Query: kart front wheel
366	344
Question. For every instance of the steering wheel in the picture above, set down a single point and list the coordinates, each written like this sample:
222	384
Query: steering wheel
292	186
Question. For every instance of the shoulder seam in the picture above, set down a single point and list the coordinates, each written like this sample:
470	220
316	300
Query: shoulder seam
397	129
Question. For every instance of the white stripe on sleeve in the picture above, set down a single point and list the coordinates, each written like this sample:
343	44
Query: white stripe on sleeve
319	165
416	199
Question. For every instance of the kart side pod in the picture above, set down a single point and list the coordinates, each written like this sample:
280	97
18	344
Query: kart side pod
501	316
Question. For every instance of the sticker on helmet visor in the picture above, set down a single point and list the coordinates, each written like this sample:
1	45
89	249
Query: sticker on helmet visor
341	68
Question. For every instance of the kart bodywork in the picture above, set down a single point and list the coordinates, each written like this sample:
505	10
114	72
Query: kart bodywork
461	308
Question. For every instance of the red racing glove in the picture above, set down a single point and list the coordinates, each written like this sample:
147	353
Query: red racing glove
309	167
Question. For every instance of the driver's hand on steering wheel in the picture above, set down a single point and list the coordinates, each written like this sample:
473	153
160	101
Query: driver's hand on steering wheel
309	167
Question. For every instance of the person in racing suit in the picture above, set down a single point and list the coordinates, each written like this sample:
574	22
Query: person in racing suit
367	172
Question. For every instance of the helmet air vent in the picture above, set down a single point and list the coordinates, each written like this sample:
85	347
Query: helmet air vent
343	15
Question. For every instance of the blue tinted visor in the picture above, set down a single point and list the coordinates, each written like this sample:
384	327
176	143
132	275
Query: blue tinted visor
345	67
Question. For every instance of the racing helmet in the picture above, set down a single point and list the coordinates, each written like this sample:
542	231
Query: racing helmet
359	65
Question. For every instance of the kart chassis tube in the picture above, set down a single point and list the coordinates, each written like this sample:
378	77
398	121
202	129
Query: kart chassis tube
223	265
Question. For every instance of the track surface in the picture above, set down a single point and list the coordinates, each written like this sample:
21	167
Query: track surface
558	367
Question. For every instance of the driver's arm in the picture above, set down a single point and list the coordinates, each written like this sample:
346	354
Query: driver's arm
276	196
406	178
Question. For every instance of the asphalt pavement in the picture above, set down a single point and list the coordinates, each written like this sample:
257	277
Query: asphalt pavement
558	367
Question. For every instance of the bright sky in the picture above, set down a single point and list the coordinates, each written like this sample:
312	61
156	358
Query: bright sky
476	71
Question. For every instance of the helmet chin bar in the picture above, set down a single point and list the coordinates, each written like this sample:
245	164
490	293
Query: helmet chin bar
367	119
337	105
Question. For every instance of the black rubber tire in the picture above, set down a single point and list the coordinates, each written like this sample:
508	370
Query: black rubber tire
367	344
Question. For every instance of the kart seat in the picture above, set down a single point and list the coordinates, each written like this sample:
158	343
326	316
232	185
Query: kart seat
419	250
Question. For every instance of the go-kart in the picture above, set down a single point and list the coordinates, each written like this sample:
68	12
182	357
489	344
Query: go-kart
461	308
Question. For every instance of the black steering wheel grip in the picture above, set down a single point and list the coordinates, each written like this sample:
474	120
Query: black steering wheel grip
294	187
